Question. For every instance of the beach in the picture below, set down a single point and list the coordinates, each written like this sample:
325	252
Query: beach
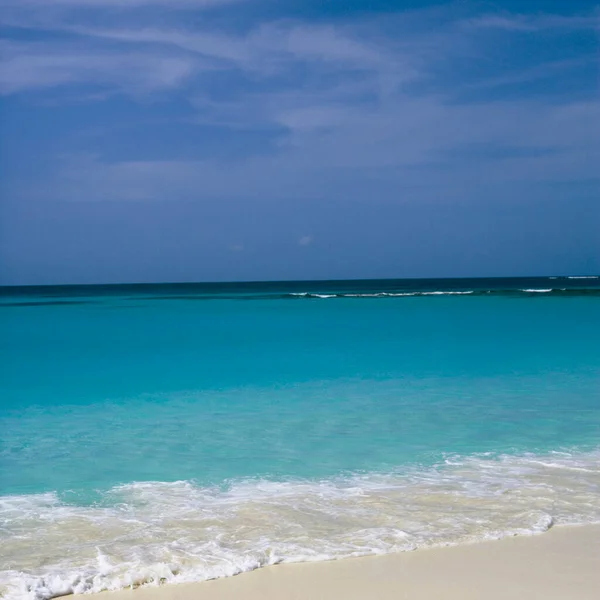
561	564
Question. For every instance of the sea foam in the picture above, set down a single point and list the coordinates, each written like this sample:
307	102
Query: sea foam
148	533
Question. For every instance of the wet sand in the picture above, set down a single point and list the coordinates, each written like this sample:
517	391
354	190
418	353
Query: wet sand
562	564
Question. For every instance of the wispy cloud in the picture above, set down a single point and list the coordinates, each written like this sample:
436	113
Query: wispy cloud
532	23
530	75
208	44
41	65
346	110
267	52
264	51
430	153
82	4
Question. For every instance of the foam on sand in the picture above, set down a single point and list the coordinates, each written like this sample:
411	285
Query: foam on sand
562	564
161	532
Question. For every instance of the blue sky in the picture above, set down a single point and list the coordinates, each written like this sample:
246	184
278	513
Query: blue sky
206	140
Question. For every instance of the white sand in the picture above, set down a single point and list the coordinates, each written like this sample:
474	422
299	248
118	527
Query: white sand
563	564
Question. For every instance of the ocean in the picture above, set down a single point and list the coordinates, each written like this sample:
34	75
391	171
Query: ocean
180	432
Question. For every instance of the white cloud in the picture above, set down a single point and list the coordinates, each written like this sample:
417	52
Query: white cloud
43	65
120	4
348	124
121	56
113	48
208	44
402	152
305	240
532	23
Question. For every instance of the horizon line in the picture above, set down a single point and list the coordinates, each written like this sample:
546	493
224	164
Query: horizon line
270	281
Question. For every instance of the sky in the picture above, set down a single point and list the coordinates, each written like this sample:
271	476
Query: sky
226	140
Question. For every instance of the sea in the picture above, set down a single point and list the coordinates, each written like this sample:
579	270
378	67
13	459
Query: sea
157	434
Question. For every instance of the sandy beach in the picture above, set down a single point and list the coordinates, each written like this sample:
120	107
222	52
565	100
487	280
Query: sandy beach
563	564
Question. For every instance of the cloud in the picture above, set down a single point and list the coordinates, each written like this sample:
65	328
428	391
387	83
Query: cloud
208	44
531	75
111	47
31	67
123	57
305	240
335	109
119	4
532	23
430	152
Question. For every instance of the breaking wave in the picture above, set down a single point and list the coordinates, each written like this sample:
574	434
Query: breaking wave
522	293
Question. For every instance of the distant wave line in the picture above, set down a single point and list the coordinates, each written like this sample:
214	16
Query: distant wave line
131	301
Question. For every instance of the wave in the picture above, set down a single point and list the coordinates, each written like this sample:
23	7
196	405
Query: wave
522	292
150	533
377	294
318	295
446	293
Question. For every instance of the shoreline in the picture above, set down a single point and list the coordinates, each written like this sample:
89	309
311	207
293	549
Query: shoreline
561	563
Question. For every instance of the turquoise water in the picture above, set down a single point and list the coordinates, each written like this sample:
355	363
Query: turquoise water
177	433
